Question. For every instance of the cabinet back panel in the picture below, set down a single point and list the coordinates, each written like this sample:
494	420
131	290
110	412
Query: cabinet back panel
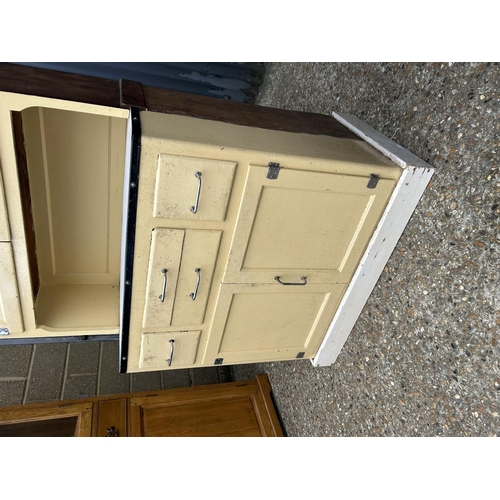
75	163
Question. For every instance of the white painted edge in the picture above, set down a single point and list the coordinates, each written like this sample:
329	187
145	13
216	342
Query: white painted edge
398	154
126	190
404	199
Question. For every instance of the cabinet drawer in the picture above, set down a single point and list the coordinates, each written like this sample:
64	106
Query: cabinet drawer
158	348
192	188
181	268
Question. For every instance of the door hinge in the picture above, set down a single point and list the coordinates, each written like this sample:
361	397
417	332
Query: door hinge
274	170
372	183
218	361
4	331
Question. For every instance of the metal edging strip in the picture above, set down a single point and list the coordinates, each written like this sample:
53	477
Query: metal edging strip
132	188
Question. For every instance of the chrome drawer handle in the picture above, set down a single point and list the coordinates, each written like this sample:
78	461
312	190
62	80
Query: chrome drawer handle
194	208
162	296
304	281
169	360
195	293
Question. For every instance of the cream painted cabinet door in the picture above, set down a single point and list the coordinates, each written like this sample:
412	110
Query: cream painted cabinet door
163	271
4	221
303	224
10	307
181	267
270	322
199	256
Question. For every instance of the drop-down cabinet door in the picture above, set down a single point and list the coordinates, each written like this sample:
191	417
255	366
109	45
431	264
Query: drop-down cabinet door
303	226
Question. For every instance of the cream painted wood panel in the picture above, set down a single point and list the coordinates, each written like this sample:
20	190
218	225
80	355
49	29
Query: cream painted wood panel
177	188
270	322
165	253
75	164
78	308
4	221
10	305
156	349
199	252
309	224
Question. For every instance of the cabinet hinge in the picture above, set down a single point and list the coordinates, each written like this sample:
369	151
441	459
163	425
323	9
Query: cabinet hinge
274	170
373	181
300	355
4	331
218	361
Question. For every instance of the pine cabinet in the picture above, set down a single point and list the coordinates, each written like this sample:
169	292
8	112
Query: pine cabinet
198	231
234	409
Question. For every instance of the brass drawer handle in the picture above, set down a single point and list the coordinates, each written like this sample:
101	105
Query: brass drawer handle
304	281
169	360
194	208
195	293
164	288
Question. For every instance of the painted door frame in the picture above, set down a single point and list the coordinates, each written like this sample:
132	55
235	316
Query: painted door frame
416	175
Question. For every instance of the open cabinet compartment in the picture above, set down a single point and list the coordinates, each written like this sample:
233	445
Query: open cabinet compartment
75	166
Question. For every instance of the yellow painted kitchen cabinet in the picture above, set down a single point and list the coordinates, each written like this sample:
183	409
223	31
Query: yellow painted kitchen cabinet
196	231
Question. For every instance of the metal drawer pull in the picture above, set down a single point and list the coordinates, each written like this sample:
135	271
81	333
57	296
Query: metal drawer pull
304	279
169	360
194	208
193	295
162	296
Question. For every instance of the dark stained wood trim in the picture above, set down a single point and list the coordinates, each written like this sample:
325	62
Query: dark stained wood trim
24	187
211	108
132	95
59	85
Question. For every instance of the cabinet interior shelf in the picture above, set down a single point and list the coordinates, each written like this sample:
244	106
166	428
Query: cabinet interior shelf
75	165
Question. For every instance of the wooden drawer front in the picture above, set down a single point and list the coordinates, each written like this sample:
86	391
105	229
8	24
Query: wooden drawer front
270	322
177	188
303	223
156	349
166	250
10	306
199	253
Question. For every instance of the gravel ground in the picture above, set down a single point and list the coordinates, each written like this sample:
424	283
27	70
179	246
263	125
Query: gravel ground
424	356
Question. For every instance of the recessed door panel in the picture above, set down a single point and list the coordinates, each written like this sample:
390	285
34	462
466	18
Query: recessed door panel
270	322
309	224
